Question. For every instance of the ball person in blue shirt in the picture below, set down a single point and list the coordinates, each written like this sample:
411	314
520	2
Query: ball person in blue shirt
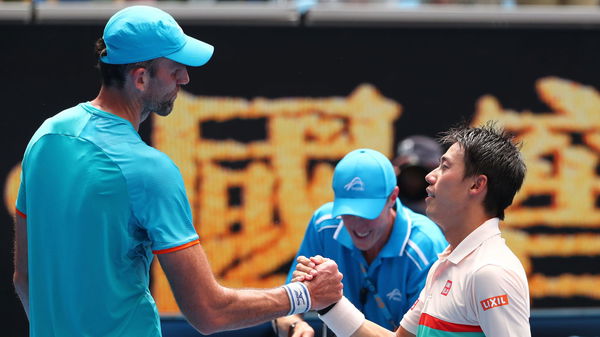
96	204
383	249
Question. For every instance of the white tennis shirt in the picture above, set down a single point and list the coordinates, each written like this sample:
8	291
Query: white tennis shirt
477	289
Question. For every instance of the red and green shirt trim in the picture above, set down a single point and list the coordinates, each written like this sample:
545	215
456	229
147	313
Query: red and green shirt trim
430	326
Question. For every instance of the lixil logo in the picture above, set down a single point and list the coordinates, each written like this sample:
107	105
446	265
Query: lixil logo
492	302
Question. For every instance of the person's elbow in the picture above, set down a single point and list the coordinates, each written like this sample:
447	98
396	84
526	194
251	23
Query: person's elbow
207	325
207	317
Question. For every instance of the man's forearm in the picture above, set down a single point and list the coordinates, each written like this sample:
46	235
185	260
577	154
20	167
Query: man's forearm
211	307
246	307
222	308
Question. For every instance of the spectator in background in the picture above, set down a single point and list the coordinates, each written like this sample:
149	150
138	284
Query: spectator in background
382	248
415	157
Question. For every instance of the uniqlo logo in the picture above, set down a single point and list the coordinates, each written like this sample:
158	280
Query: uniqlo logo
492	302
447	287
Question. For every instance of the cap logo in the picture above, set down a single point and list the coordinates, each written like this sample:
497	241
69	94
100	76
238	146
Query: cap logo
356	184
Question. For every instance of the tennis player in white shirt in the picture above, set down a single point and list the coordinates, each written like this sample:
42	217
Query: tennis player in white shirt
478	287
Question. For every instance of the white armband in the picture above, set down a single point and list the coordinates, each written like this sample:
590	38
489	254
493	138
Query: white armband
343	319
299	298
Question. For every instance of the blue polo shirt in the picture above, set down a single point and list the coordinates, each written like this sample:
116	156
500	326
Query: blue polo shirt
98	202
398	271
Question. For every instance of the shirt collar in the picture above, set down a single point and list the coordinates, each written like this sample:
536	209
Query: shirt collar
485	231
89	107
398	238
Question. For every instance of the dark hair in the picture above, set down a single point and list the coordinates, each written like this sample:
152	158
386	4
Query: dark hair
491	151
113	75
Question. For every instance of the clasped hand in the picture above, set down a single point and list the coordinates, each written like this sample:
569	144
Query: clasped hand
323	279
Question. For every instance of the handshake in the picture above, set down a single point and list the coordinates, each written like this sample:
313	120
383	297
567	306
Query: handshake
322	279
318	280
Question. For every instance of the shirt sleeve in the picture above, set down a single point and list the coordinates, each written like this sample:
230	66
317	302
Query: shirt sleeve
311	245
162	207
501	302
410	321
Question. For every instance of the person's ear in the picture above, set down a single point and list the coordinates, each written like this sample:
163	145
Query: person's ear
393	196
479	184
140	78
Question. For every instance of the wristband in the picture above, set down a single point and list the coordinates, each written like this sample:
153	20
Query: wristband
343	319
299	298
326	310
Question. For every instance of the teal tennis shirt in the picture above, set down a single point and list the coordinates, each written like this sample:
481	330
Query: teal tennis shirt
98	202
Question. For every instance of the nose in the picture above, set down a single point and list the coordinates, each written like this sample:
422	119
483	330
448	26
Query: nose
430	177
183	77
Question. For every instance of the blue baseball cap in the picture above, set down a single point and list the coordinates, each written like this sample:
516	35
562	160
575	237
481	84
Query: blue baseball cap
142	33
362	182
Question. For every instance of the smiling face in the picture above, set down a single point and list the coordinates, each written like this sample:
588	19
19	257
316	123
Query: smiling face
368	235
448	190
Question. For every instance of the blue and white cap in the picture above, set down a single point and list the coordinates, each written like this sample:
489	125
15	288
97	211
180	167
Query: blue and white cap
362	182
142	33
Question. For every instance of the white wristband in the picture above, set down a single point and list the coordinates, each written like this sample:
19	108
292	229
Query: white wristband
299	297
343	319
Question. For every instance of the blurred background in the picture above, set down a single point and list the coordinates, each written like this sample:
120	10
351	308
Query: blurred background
293	86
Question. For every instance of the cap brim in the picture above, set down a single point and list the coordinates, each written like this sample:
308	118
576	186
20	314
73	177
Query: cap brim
364	208
194	53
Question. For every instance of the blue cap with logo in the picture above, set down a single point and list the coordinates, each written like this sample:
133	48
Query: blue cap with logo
362	182
142	33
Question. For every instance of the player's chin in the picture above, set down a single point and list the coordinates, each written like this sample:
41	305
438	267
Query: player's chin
430	210
165	109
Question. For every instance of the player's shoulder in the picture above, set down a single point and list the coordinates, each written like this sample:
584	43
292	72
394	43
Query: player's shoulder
67	122
155	164
494	256
150	155
323	218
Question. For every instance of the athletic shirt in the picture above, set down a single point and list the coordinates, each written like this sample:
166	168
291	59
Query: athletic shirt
477	289
98	202
398	271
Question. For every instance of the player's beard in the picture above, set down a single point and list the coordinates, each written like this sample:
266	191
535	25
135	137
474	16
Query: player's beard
162	107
